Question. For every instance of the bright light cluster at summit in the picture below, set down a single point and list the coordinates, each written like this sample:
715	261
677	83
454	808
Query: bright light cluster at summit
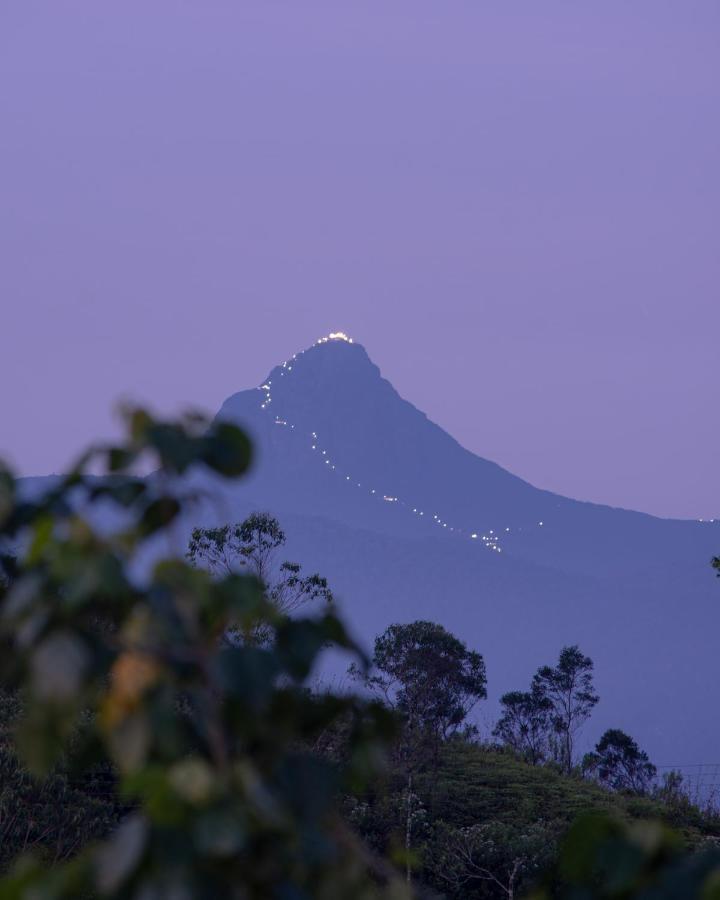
333	336
491	540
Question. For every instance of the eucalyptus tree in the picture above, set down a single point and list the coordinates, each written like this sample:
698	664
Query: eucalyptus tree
429	676
251	547
526	723
569	688
433	681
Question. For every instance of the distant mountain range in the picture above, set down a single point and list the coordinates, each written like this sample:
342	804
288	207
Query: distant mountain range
407	524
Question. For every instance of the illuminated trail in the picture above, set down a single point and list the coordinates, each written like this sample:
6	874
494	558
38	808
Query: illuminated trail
491	540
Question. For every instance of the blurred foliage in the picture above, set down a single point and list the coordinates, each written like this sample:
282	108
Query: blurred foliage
605	858
210	740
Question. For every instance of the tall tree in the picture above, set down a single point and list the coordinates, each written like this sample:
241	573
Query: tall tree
526	723
251	547
618	762
245	546
431	678
428	675
569	688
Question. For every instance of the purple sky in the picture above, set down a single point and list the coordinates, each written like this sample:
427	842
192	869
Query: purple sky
515	207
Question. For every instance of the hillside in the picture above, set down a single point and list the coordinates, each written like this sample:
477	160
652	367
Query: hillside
485	808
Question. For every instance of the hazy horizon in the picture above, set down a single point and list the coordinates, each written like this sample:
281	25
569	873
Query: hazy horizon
515	212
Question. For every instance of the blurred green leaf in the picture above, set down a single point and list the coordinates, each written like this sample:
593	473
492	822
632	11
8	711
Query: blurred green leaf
125	491
7	492
186	686
58	665
227	450
219	833
117	859
120	458
41	538
248	673
129	740
159	514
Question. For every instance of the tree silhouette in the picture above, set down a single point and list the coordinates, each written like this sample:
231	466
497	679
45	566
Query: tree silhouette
618	762
526	723
569	688
250	547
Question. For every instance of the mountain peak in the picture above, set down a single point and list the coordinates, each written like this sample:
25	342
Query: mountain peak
335	336
338	344
401	518
334	358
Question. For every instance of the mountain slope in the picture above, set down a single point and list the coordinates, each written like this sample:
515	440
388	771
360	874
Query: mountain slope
385	503
335	438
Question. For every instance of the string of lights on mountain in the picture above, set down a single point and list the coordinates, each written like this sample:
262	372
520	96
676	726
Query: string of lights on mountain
491	540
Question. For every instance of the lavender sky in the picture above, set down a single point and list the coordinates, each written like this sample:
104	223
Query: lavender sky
515	207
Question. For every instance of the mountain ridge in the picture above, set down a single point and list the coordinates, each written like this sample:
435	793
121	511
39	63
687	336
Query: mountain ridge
334	397
635	591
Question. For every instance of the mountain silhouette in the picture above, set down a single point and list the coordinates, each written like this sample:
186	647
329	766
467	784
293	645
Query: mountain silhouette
335	438
408	524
